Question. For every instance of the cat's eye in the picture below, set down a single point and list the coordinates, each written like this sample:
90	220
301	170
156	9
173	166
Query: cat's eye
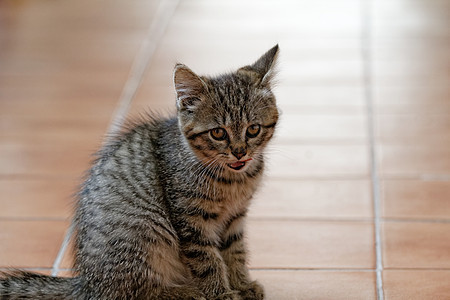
253	130
218	134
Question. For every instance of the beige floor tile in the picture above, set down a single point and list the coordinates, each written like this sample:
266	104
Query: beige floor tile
288	9
414	160
52	131
80	66
68	160
327	49
294	244
289	285
319	73
30	243
322	128
38	198
320	199
416	245
319	48
114	19
101	84
159	100
396	129
66	273
312	161
430	50
407	73
49	104
415	199
257	19
325	100
416	284
88	52
400	19
412	100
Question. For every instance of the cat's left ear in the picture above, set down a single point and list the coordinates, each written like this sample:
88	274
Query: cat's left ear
264	69
189	87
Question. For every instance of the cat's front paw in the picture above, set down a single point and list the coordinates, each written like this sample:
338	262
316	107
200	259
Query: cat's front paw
252	291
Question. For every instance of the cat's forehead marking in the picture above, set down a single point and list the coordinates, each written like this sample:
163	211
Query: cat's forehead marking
232	100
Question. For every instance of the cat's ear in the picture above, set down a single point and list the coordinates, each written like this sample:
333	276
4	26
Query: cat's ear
264	69
188	87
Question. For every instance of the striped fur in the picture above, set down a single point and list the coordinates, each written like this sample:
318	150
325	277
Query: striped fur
161	214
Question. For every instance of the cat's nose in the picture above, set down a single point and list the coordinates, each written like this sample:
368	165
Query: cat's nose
239	152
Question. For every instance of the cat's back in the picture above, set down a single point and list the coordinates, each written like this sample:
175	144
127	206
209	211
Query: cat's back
121	208
126	171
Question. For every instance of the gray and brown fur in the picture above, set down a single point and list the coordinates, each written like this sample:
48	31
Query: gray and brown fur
161	213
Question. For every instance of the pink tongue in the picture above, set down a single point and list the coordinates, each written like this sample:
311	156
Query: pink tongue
237	164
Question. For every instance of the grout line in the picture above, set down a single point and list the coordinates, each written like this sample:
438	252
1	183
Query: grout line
434	177
417	269
418	177
62	250
415	220
312	219
306	269
314	269
366	44
164	13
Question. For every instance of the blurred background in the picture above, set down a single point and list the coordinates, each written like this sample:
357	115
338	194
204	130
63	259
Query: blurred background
356	201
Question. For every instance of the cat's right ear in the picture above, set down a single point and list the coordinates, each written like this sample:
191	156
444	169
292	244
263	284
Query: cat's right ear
189	87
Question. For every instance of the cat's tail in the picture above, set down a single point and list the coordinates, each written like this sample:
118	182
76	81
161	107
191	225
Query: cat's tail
27	285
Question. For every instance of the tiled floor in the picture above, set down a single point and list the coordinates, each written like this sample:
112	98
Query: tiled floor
356	204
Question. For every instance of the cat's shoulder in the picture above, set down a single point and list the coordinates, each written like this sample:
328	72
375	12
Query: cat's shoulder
148	122
144	127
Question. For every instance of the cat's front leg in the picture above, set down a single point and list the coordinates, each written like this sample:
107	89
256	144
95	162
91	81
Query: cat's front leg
207	266
234	253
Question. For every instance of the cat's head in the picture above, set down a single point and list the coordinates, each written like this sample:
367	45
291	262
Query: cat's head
228	120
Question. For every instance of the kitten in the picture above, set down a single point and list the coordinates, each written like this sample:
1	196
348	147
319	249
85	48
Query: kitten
161	213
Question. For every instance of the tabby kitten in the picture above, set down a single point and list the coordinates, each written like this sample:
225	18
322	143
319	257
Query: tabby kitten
161	213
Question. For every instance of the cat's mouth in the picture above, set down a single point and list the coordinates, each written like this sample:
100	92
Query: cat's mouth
239	165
